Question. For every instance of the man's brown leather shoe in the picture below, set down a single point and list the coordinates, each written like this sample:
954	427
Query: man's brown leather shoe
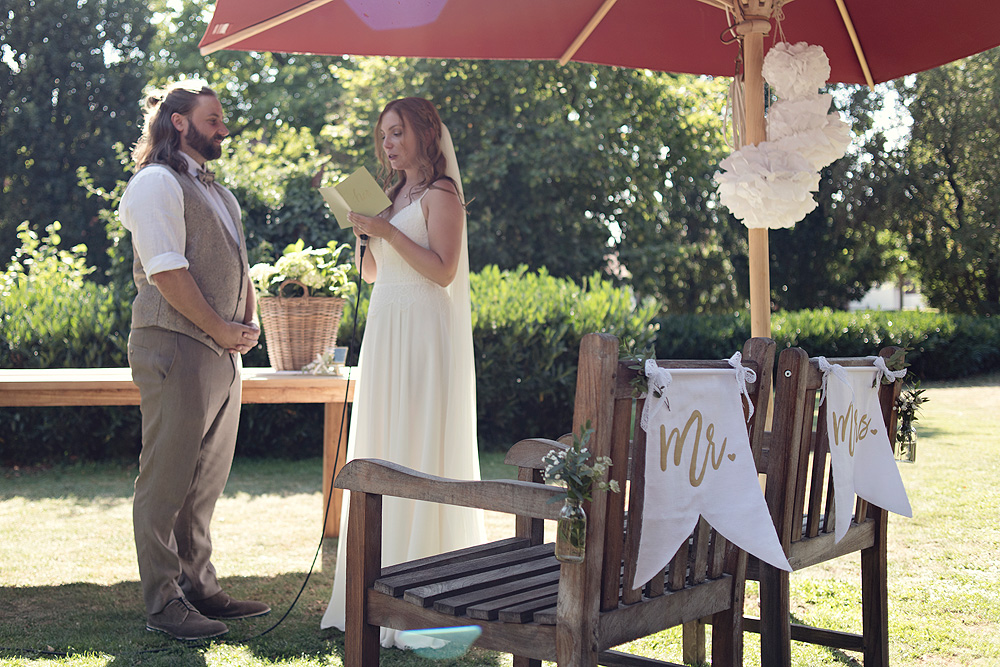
182	621
221	606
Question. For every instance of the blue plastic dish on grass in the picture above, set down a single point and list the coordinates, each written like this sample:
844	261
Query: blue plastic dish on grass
440	643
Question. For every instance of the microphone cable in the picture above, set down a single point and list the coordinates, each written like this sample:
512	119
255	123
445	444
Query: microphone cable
336	458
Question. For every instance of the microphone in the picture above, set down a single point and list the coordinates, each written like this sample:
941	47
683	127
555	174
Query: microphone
363	240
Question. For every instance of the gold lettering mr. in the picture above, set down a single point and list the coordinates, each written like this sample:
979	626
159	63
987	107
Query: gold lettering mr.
678	439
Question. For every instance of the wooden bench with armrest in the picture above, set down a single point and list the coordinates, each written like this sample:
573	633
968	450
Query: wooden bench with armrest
526	602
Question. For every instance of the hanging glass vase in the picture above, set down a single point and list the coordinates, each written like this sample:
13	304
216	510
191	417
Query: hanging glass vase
571	532
906	442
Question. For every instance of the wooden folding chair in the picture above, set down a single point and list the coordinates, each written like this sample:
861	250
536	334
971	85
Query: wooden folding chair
799	494
526	602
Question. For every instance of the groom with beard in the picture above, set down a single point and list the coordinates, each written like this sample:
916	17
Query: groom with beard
192	319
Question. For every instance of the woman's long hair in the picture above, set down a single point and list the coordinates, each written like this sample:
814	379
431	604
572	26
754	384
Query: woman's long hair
421	119
160	142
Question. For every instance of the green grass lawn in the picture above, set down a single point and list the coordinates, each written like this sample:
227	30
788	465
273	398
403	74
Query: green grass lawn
69	583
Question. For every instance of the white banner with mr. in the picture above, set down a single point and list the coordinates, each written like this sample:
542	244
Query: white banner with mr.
699	463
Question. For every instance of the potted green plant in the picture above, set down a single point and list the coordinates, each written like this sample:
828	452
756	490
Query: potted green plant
907	406
301	299
573	470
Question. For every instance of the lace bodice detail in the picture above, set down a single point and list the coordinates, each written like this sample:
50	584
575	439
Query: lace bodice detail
397	282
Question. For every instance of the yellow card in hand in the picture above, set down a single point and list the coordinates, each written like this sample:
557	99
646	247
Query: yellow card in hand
358	192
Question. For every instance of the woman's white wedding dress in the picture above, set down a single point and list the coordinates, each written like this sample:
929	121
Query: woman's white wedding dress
414	404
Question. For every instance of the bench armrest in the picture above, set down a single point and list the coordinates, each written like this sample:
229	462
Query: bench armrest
528	453
383	478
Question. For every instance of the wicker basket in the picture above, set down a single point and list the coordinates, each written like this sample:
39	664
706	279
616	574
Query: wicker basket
298	328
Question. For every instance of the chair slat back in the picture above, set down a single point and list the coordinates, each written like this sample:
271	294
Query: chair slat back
799	488
608	399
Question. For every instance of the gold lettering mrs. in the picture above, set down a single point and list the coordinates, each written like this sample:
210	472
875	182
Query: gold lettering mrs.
678	439
851	428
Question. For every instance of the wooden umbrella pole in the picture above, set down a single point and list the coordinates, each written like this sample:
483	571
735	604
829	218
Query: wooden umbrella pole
756	132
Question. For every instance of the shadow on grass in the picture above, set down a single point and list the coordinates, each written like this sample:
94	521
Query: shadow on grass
837	654
986	380
82	619
111	481
86	481
927	431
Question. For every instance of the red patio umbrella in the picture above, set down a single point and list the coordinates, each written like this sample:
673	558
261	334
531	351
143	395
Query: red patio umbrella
867	41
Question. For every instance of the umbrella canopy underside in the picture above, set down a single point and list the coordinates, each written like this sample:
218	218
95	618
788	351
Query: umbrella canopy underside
894	37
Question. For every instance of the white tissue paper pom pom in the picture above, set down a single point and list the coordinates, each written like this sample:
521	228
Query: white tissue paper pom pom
766	187
797	125
796	70
815	146
769	185
788	117
838	131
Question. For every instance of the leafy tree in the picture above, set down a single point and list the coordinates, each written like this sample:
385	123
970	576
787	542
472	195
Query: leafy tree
71	75
950	202
578	168
276	184
276	105
118	241
258	90
840	250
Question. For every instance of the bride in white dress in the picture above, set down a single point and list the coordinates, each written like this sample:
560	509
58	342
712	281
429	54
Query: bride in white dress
415	400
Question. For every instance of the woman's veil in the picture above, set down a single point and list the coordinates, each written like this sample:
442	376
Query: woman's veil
463	357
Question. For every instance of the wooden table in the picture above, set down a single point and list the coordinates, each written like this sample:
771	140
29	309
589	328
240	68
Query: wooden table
114	386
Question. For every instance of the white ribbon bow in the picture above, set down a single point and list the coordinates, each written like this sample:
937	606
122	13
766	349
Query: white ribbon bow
656	397
744	376
838	371
884	372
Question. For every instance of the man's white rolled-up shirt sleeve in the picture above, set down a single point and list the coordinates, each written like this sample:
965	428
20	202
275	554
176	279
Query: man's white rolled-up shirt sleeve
152	210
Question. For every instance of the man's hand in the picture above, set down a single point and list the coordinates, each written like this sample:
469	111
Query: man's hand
181	292
245	338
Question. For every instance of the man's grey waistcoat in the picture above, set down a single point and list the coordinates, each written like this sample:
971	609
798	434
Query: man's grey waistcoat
217	263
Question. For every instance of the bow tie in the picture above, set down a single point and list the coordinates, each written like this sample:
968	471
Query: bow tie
206	176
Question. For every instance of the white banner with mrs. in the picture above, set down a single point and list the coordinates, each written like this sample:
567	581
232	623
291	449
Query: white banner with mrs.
860	451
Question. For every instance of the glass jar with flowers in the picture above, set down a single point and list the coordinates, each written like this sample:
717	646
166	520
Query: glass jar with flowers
572	469
907	406
301	299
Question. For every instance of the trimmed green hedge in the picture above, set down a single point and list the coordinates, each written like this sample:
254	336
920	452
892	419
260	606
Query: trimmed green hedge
526	330
52	315
942	346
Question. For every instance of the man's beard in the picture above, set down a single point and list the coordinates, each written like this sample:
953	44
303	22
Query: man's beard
202	143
